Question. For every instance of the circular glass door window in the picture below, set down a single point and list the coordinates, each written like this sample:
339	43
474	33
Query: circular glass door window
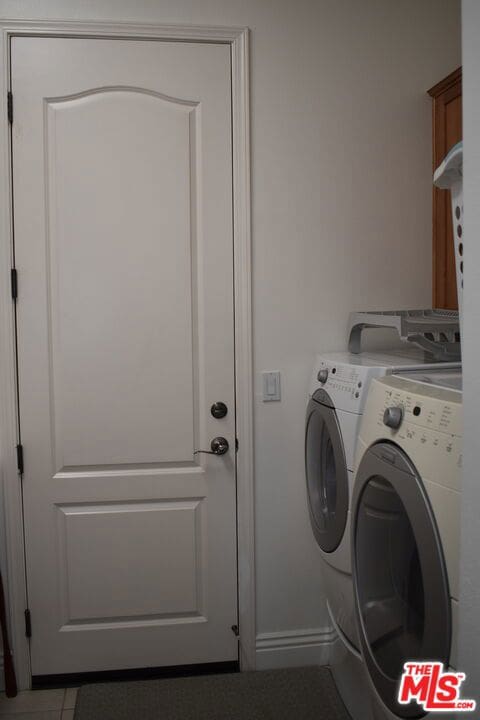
390	587
400	578
327	476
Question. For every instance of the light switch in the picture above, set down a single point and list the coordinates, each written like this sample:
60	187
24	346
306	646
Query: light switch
271	386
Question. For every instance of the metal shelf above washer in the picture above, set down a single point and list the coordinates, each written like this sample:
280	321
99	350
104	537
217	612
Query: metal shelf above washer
435	331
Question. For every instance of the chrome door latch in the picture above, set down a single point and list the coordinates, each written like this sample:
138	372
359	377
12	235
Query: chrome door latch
218	446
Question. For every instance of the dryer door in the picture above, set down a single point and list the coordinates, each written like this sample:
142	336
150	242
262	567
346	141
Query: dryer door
400	579
326	472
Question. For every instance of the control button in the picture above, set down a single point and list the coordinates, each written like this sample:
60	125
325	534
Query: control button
392	417
417	410
322	375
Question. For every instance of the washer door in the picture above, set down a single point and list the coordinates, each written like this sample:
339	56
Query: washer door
326	472
400	579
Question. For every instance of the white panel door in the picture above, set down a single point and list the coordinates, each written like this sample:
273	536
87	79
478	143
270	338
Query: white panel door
122	176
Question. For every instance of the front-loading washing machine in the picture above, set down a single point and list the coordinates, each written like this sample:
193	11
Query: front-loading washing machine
405	529
337	397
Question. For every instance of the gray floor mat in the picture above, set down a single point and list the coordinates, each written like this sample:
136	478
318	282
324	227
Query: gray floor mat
291	694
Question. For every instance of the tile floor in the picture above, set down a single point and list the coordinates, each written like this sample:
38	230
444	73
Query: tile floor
39	705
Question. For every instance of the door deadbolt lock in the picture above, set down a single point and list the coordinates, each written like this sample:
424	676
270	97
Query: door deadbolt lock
219	446
219	410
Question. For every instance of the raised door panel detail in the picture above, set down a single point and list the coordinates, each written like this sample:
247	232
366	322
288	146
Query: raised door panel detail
121	206
130	562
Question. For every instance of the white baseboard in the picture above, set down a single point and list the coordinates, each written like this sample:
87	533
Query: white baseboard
294	648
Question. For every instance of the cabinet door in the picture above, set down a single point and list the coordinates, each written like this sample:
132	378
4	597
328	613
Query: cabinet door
447	131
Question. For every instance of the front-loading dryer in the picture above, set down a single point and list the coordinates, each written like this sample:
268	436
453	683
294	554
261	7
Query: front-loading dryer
405	529
337	397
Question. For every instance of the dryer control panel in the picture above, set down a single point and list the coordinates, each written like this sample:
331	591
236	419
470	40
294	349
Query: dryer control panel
425	421
425	407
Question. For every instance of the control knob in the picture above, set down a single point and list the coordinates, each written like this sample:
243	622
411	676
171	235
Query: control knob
393	416
322	375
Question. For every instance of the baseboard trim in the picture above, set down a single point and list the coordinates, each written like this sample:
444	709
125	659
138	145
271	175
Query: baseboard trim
294	648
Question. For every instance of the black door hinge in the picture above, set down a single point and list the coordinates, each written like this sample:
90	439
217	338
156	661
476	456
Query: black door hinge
28	624
20	459
235	630
10	107
14	283
236	444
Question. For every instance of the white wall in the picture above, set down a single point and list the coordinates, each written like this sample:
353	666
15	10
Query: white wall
341	216
469	646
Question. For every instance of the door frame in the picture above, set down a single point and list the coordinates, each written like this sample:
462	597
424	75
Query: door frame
14	558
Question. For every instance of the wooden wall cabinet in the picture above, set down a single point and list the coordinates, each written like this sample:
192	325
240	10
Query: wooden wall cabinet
447	131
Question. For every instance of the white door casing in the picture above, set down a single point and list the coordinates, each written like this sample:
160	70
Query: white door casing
122	176
237	39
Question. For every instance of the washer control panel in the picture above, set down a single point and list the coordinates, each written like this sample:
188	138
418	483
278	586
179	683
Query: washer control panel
346	378
346	384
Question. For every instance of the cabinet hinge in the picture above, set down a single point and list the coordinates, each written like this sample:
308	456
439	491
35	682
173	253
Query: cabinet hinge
28	624
14	283
20	459
236	444
235	630
10	106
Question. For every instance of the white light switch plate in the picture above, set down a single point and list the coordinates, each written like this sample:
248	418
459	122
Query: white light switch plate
271	386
